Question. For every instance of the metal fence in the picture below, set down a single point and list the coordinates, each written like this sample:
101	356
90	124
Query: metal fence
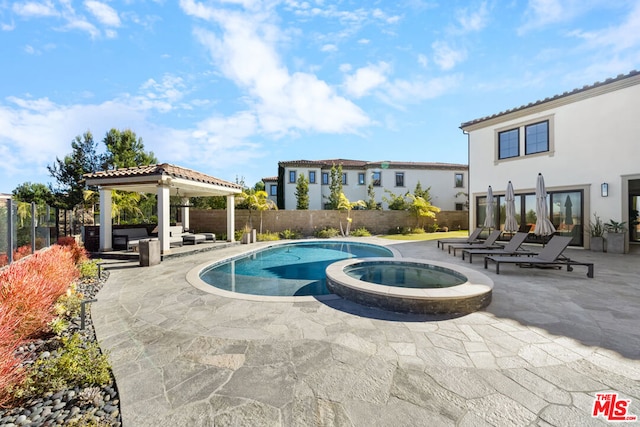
24	229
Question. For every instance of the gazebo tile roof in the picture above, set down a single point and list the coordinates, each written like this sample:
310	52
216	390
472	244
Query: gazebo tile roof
162	169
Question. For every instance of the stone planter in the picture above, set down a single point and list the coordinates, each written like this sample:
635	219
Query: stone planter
615	243
246	238
597	244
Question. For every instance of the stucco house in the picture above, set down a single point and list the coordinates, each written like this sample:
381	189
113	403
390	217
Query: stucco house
584	142
448	181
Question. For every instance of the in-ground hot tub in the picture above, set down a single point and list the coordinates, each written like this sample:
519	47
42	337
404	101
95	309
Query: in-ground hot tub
410	285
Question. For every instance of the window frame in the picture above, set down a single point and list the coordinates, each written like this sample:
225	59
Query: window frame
293	176
361	178
456	180
517	143
376	182
325	178
312	177
344	178
522	148
273	189
401	176
526	135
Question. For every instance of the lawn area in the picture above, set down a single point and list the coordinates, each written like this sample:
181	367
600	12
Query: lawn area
427	236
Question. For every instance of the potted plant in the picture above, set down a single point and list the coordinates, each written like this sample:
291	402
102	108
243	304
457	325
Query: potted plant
615	236
246	235
596	229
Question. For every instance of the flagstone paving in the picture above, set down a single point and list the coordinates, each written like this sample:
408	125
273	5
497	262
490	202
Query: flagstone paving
536	356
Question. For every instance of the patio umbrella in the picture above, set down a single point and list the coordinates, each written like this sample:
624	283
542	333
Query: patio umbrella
544	227
488	220
568	213
510	223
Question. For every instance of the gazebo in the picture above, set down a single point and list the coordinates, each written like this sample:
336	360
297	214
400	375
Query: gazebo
164	180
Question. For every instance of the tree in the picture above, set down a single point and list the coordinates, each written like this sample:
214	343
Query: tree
371	201
28	193
335	187
125	150
257	200
421	208
302	193
419	192
345	205
69	171
396	202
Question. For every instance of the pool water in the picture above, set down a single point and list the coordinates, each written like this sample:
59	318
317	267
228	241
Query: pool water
294	269
406	275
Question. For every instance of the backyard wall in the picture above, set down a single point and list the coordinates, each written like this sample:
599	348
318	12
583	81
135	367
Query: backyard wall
308	221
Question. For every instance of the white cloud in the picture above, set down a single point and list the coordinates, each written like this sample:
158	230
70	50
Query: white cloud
329	48
35	9
445	56
103	13
621	37
423	60
285	103
366	79
8	27
471	21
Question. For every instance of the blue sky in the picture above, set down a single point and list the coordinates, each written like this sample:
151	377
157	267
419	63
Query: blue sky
230	88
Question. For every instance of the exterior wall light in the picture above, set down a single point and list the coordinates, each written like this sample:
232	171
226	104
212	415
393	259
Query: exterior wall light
604	189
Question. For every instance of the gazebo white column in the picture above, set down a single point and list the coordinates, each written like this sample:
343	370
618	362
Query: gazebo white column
231	218
164	218
106	243
185	212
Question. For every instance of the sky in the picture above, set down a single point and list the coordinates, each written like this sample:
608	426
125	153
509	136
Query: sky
230	88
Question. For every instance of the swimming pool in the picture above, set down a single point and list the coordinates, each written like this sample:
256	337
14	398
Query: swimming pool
291	269
405	274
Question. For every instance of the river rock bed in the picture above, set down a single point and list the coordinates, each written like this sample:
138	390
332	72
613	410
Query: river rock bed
76	406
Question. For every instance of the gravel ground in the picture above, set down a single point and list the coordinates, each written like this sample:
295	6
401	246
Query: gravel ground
76	406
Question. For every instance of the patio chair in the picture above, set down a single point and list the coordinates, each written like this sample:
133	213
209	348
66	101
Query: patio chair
550	256
473	237
511	248
490	242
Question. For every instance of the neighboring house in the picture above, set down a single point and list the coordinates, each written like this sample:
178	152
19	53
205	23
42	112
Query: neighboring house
448	182
271	187
586	144
4	196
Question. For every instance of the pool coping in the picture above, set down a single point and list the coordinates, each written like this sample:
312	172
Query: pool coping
193	275
472	295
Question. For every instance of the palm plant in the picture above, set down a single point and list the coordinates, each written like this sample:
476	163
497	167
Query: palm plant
345	205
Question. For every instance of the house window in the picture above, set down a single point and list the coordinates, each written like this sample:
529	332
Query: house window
344	178
459	180
536	138
325	178
292	177
459	206
509	144
377	179
361	178
399	179
273	190
312	177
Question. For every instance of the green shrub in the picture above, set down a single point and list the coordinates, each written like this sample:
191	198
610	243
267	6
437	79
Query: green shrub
360	232
75	363
89	269
417	230
290	234
432	228
326	233
268	237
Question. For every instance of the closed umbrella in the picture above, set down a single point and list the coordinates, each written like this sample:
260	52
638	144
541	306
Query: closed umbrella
568	213
544	227
488	220
510	223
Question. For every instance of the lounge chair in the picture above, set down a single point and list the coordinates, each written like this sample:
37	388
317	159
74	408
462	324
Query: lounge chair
490	242
550	256
473	237
511	248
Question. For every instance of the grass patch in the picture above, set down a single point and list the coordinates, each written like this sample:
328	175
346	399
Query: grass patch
427	236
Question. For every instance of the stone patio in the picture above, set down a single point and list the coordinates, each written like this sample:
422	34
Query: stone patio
537	355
